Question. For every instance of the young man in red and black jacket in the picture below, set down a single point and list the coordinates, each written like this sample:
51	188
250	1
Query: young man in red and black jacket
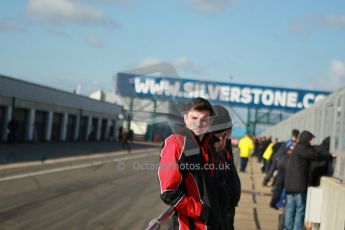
185	171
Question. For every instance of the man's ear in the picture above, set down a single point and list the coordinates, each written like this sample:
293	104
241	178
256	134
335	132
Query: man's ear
185	116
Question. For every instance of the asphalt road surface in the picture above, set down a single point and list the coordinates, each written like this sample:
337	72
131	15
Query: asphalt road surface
123	194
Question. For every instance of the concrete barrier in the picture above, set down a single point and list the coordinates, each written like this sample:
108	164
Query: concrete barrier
333	204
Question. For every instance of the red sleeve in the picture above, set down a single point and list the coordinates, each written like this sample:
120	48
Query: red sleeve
170	179
228	149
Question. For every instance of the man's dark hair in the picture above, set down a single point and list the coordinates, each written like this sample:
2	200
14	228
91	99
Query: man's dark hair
295	132
199	104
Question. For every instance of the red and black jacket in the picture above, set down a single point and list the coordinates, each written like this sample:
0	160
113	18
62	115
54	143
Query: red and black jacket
186	185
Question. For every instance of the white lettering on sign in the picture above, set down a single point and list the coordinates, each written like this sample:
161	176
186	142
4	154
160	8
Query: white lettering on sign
291	99
245	95
213	91
319	97
224	93
235	93
280	98
141	87
188	89
308	99
267	97
257	93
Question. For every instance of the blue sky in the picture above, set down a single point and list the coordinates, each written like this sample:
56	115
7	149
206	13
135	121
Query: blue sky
63	43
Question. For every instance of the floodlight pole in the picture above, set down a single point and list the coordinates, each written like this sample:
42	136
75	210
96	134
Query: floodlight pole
152	128
251	125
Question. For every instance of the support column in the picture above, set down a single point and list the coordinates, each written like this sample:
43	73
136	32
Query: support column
8	117
107	129
248	121
64	127
49	126
98	129
114	122
76	128
88	128
255	122
30	125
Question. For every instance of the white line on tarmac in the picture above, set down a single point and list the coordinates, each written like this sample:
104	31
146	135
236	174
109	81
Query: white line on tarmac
66	159
61	169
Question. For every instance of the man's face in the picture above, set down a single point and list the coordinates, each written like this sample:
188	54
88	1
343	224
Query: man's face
197	121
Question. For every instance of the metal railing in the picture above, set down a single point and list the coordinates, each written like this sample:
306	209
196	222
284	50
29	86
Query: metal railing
156	223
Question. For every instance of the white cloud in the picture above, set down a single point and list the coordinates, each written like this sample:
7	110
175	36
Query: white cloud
122	3
209	6
67	11
182	64
186	65
335	79
182	61
10	26
338	68
58	32
314	22
175	67
149	61
94	41
334	20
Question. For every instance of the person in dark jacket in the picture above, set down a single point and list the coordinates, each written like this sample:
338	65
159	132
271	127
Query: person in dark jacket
279	153
278	189
234	187
228	181
261	148
279	164
320	168
12	127
296	181
273	167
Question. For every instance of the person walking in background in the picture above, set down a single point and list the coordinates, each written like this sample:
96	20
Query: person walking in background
120	135
12	128
296	181
127	136
246	146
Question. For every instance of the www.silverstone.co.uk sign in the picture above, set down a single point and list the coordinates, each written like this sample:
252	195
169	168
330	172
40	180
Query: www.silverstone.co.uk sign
166	88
